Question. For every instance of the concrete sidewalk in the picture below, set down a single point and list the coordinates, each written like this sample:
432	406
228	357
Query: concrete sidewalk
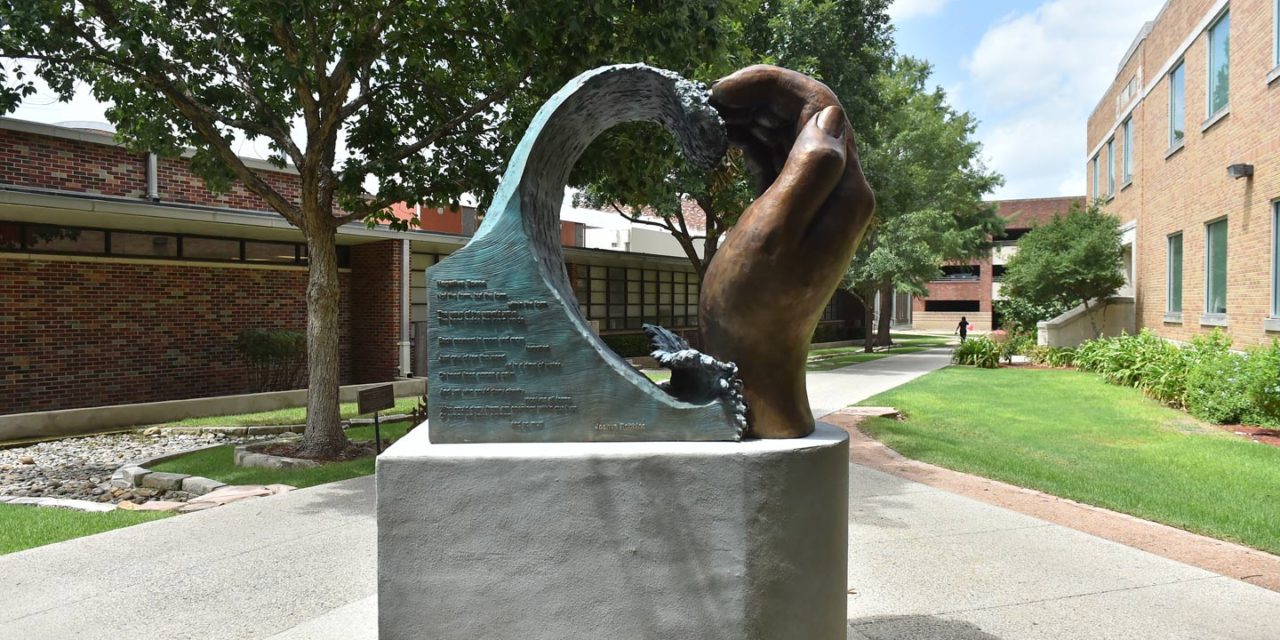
923	564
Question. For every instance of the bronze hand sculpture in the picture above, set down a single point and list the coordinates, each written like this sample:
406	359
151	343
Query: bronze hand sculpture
765	291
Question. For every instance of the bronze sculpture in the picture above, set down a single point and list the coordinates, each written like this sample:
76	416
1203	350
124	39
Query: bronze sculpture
764	292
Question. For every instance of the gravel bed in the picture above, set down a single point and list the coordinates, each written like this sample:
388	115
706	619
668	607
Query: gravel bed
81	468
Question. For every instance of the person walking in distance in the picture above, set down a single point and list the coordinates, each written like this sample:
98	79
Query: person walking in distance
962	329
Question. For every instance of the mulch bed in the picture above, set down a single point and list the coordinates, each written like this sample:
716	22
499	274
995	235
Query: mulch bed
1256	434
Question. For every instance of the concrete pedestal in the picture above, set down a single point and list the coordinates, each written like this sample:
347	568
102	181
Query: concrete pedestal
593	541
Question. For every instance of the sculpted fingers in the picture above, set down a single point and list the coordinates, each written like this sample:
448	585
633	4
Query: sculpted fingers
813	169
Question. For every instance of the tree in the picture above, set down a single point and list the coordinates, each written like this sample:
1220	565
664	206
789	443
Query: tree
428	98
1075	259
637	170
929	179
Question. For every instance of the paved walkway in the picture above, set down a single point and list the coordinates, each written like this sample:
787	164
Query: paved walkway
923	564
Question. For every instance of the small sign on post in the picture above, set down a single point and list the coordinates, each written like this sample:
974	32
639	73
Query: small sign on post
372	401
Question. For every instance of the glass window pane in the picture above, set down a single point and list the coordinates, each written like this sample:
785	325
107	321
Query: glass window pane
47	237
1275	260
1177	104
1097	176
1175	273
1111	167
258	251
1219	63
596	312
1128	150
145	244
210	248
10	235
1216	292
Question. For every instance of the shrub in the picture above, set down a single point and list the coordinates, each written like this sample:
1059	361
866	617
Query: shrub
628	345
980	352
276	357
1262	384
1216	388
1060	357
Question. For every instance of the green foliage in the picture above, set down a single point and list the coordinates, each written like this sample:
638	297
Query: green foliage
832	332
1012	344
276	357
929	179
1263	383
844	44
981	352
1057	357
1205	377
628	345
1072	260
1022	316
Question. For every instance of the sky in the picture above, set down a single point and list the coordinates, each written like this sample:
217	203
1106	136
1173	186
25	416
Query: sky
1031	71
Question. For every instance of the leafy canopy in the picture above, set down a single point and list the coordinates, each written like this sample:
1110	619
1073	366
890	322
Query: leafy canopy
1071	260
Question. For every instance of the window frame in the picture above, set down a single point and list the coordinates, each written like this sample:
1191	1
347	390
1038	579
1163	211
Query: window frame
1209	85
1126	161
1181	82
1275	257
1169	288
1208	268
1097	177
1111	167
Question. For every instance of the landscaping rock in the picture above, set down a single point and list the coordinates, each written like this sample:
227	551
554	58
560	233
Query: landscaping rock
133	476
199	485
151	431
26	460
164	481
277	489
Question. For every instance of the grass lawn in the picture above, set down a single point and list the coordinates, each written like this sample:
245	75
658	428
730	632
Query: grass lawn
828	359
218	463
295	415
24	527
1073	435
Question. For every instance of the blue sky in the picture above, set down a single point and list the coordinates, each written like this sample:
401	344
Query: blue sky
1030	70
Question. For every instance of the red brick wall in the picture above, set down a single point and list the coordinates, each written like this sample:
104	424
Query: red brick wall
54	163
375	328
86	333
46	162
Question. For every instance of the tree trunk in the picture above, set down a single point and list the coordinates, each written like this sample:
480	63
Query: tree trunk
324	436
869	319
1088	311
886	316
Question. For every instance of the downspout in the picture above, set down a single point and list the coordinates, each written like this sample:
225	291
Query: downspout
153	179
405	276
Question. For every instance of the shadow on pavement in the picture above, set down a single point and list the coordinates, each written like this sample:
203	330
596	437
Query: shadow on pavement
912	627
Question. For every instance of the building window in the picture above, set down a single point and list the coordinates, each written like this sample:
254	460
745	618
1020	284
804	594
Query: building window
1275	260
1219	63
47	238
626	298
210	248
961	272
1097	173
1128	152
1177	104
1215	293
1174	294
1111	167
143	244
951	306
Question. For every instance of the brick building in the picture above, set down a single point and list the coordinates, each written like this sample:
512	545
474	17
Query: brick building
123	279
1185	148
967	290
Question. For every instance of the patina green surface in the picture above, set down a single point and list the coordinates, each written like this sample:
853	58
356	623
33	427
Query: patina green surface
511	357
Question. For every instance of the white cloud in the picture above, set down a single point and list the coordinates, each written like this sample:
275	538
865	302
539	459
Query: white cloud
908	9
1036	76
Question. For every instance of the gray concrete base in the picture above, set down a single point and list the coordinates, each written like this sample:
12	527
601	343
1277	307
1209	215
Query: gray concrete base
614	540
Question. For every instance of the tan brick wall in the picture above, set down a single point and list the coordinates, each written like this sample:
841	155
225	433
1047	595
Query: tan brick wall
1188	188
